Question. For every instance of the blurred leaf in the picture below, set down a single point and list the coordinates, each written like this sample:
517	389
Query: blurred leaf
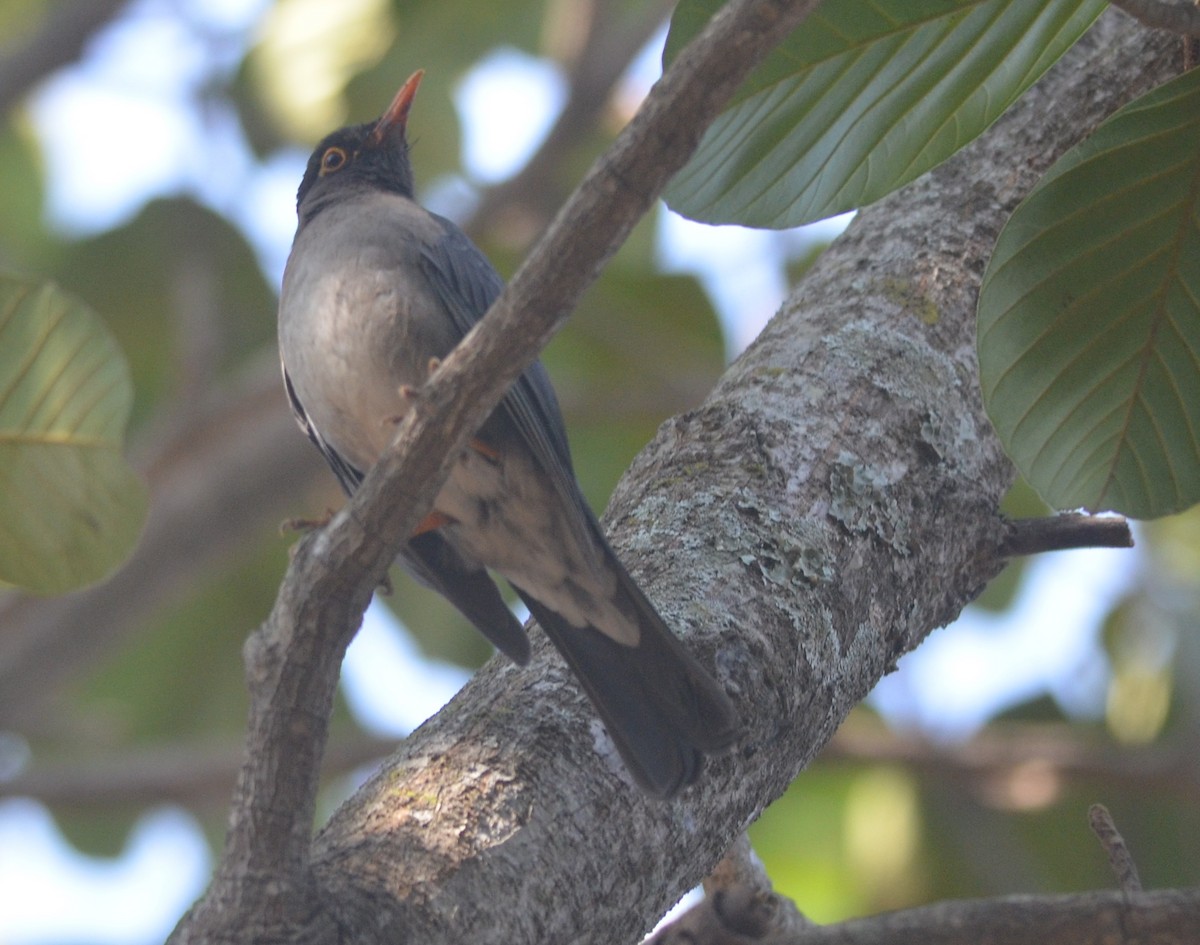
1141	641
175	263
71	508
307	52
19	20
296	85
1041	708
641	347
1002	590
882	835
800	840
863	98
182	673
440	630
1089	328
105	836
1173	545
22	238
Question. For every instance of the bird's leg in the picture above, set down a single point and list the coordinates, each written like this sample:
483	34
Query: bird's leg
409	393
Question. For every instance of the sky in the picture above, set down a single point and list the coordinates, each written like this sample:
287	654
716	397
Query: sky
142	76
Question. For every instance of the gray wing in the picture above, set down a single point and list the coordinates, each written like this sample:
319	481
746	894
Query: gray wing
432	560
467	285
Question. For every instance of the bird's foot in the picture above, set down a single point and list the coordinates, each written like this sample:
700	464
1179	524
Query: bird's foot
410	392
305	524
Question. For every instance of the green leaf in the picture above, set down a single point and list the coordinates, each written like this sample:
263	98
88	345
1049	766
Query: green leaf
1089	328
863	98
71	509
180	264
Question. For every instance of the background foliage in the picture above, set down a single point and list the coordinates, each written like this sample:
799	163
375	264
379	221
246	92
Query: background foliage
105	726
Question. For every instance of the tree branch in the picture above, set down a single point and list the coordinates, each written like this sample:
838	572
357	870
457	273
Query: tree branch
195	774
1119	857
1164	917
1005	761
1066	532
751	913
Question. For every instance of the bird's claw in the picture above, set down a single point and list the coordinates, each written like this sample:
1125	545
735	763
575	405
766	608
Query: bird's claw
305	524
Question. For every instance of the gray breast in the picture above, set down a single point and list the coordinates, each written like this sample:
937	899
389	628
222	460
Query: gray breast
358	321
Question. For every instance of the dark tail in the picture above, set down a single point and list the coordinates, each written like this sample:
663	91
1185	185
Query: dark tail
662	710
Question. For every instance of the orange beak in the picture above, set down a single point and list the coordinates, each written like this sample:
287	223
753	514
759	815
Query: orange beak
396	116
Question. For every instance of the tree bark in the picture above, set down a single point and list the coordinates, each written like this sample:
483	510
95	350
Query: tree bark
831	503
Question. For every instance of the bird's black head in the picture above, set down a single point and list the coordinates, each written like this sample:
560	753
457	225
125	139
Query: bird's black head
373	156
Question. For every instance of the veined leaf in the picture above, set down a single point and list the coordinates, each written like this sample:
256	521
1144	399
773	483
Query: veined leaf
1089	316
864	97
70	507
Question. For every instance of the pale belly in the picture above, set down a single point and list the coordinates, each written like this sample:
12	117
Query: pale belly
509	518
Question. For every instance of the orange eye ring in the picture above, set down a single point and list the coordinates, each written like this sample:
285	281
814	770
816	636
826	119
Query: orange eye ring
334	159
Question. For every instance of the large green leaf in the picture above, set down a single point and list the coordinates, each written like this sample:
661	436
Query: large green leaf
1089	316
864	97
70	507
175	268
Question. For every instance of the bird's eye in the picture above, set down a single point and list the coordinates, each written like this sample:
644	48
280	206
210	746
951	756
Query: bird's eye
334	159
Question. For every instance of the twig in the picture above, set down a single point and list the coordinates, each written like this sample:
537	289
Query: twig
1182	18
1119	857
1066	532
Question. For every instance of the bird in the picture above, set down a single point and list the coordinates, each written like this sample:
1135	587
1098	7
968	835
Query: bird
376	290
